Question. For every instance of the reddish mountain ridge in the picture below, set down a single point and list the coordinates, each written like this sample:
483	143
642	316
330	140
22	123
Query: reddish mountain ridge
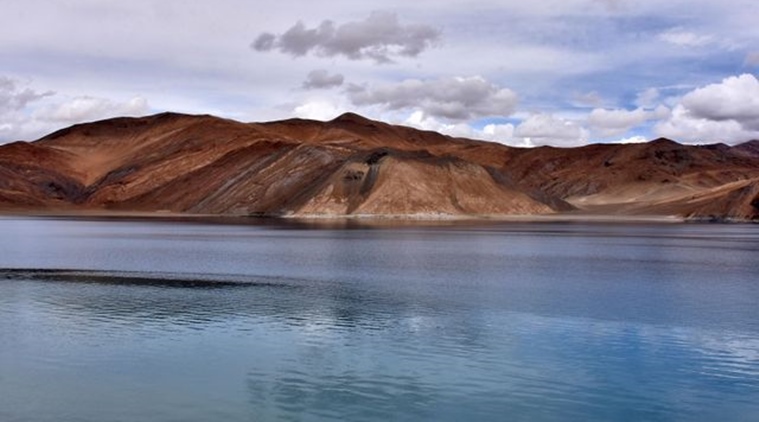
359	167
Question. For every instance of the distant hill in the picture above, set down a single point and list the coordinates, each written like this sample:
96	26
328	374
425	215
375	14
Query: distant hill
356	166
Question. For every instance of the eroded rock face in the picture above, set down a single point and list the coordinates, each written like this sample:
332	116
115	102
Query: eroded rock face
356	166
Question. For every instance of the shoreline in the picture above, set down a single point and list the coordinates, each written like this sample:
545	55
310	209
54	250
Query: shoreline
425	218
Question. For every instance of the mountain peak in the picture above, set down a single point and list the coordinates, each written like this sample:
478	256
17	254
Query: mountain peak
747	148
663	141
114	125
753	144
350	117
207	165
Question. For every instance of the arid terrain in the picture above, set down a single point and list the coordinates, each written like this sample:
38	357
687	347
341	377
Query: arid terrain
359	167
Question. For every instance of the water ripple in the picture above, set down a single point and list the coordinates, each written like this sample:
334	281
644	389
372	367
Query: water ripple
528	323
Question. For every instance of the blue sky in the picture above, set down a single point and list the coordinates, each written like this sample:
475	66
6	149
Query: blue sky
544	72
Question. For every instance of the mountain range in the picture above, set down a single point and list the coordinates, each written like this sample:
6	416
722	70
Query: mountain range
353	166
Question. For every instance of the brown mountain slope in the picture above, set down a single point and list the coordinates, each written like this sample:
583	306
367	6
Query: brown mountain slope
34	176
202	164
636	178
356	166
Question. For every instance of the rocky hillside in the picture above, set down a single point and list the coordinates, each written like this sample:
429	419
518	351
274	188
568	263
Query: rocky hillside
355	166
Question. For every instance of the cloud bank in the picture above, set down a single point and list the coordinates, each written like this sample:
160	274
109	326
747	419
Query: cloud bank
723	112
380	37
545	129
607	123
26	114
453	98
15	97
85	108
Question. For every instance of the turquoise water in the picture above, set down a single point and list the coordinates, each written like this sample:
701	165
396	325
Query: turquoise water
178	321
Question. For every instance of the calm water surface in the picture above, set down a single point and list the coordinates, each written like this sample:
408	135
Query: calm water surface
168	321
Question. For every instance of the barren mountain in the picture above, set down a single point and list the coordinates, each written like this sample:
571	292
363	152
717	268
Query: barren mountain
355	166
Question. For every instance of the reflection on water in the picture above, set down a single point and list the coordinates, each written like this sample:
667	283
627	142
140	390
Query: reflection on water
157	321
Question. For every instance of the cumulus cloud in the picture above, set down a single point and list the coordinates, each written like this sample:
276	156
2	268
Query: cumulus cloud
683	127
502	133
418	120
321	79
735	98
380	37
636	139
727	111
318	109
454	98
683	38
28	114
15	97
535	130
618	121
545	129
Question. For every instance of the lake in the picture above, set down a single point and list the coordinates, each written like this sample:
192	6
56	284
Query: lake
107	320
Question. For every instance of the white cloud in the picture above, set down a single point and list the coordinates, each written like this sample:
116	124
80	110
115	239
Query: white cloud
456	98
85	108
419	120
727	112
28	114
682	38
535	130
14	97
683	127
735	98
637	139
318	110
545	129
380	37
608	123
502	133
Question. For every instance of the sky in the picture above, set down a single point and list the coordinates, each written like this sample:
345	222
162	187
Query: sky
523	73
